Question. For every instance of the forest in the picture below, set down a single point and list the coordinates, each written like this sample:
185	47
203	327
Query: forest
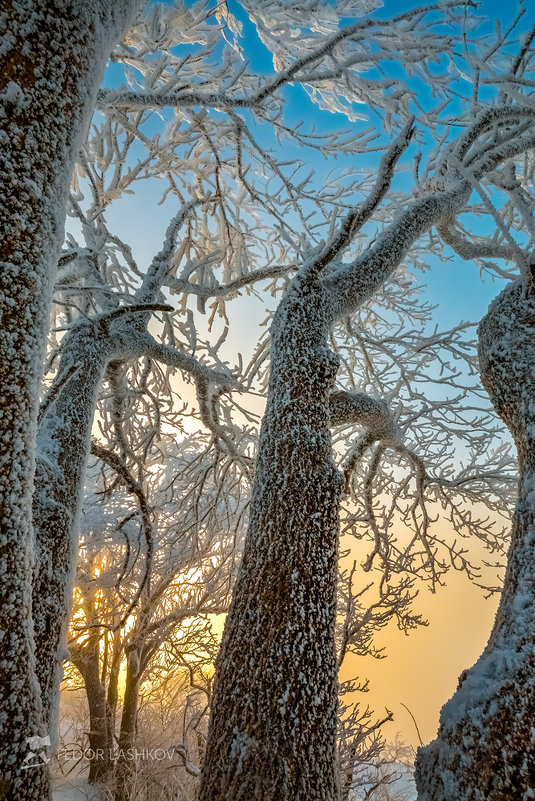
256	419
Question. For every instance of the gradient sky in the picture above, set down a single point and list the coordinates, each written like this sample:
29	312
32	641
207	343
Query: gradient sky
421	670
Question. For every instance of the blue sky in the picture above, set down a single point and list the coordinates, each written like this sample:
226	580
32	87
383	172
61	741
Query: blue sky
456	286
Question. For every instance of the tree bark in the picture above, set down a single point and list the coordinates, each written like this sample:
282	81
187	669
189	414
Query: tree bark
125	766
113	686
485	748
62	448
99	744
52	61
86	659
273	724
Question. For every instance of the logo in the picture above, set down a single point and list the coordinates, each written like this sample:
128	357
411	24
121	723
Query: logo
36	756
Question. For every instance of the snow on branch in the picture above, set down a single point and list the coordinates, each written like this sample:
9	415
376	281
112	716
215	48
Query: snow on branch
119	466
144	344
359	215
360	409
370	36
469	249
228	290
161	264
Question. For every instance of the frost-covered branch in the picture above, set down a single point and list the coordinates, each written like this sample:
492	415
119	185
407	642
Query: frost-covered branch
360	409
350	285
304	58
156	274
119	466
468	249
359	215
229	289
144	344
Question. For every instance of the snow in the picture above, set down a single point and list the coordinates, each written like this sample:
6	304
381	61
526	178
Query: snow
75	790
299	395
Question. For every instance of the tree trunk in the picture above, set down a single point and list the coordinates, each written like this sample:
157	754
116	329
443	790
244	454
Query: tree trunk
113	686
485	748
126	765
62	447
273	724
87	661
99	745
52	62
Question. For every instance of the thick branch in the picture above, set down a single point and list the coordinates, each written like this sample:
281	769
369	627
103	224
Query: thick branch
486	120
372	414
354	283
473	250
356	407
144	344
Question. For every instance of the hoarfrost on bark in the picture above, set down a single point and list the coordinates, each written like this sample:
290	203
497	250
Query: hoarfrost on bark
52	67
484	747
284	611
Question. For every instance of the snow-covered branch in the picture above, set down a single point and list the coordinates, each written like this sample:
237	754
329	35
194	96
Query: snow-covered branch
469	249
359	215
144	344
306	66
360	409
351	285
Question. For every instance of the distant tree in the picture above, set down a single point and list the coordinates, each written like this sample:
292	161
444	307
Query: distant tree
143	595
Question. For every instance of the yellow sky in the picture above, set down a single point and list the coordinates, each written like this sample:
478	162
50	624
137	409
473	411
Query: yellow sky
421	669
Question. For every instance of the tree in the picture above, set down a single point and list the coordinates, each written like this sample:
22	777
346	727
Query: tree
143	601
273	723
52	65
484	747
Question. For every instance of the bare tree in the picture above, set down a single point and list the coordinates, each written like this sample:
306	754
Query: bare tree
138	596
52	66
485	747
